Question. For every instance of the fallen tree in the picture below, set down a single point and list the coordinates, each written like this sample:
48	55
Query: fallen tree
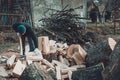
112	70
100	52
89	73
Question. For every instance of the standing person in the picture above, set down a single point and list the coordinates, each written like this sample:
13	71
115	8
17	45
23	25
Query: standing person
24	30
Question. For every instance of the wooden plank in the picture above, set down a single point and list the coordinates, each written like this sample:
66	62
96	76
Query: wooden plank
10	14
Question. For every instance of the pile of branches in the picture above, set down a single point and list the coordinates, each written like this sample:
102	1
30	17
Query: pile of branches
64	26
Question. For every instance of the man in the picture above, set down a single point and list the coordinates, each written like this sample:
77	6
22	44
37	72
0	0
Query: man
24	30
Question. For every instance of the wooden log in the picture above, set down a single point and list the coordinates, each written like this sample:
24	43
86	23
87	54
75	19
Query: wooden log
72	68
43	42
64	77
78	58
18	69
64	60
52	73
61	59
89	73
35	72
100	52
10	61
47	63
76	48
52	43
112	70
62	66
77	53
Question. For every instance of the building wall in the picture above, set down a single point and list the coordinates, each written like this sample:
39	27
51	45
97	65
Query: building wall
12	11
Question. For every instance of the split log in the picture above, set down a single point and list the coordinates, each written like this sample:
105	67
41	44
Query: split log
35	72
18	69
76	52
63	66
112	70
52	43
10	61
89	73
65	77
43	42
33	56
78	58
47	63
64	60
100	52
72	68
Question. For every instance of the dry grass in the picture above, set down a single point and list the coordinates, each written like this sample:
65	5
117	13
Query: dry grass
4	47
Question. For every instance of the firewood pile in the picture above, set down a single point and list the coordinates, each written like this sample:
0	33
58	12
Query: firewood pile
65	26
60	61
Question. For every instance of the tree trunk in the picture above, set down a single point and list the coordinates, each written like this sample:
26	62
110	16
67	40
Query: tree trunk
100	52
89	73
112	71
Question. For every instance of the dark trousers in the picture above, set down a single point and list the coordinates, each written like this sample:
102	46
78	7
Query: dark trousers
32	40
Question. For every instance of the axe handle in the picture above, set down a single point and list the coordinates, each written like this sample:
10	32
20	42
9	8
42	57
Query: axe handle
21	48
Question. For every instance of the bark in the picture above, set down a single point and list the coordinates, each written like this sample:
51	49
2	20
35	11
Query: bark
35	72
112	71
89	73
100	52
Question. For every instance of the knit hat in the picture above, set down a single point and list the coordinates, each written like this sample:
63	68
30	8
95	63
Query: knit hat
21	29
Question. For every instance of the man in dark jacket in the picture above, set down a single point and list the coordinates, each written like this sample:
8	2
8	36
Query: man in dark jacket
24	30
